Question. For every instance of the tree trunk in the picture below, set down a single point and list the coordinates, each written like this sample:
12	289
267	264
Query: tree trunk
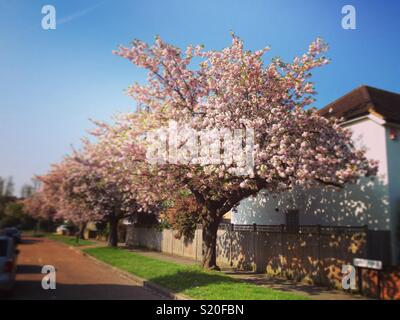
82	228
113	237
209	246
38	227
80	234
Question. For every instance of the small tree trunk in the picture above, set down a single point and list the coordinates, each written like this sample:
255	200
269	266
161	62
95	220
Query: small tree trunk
82	228
209	246
38	227
113	237
80	234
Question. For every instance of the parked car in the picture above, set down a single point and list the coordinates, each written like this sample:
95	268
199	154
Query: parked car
13	233
8	263
63	230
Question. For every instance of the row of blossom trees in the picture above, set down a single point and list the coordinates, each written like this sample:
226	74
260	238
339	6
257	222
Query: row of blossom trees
230	89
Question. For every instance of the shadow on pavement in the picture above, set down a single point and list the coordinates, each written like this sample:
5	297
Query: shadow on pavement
31	241
32	290
28	269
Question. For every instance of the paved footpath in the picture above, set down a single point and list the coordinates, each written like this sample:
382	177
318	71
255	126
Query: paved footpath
77	276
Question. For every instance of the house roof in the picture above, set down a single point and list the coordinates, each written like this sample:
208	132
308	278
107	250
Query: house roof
365	100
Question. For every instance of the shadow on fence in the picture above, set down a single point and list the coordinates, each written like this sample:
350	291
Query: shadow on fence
313	254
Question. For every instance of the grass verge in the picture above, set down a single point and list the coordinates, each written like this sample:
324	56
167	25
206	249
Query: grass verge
33	233
189	280
69	240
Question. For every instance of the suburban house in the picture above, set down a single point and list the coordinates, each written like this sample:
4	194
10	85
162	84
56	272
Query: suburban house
373	115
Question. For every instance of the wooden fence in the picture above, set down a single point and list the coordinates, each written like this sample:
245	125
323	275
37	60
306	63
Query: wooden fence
314	254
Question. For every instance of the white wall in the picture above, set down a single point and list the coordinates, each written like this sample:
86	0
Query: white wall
367	202
393	151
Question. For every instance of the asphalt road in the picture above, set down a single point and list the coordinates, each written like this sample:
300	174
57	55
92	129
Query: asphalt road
77	277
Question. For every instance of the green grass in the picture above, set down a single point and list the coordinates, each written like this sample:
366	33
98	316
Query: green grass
69	240
38	235
33	233
190	280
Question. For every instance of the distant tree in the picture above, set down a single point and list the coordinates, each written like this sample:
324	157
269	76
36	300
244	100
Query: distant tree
36	183
13	213
27	191
14	216
6	195
39	208
2	182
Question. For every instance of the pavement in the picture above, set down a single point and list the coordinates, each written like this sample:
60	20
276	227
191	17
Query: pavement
311	291
77	276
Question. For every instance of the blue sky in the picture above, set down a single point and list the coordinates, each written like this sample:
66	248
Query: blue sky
52	82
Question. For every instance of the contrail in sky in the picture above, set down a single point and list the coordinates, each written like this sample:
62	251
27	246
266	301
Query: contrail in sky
78	14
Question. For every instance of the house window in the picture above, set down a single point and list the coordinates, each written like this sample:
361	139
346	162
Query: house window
292	220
